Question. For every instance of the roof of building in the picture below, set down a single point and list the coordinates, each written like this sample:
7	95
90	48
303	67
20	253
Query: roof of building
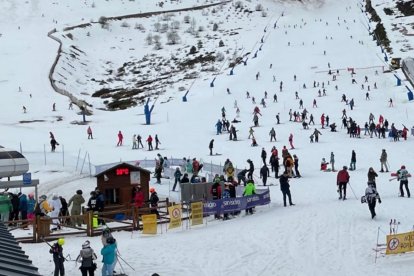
104	169
13	260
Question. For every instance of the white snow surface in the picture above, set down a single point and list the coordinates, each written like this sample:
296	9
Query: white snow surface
318	236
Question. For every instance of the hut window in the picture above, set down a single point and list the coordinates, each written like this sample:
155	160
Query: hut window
112	196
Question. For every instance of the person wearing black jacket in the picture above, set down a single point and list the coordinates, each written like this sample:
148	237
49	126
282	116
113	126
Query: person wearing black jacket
274	163
57	250
15	201
296	159
263	156
210	146
371	177
241	176
153	200
285	188
251	169
264	173
216	193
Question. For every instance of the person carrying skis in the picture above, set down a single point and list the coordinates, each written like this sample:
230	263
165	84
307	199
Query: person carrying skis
120	139
57	250
371	196
402	175
342	180
383	160
264	173
86	257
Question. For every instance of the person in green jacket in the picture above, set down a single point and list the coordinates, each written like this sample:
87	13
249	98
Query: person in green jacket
5	206
77	201
249	190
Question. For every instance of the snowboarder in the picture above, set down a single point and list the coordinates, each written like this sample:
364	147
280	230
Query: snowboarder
264	173
371	196
342	180
210	146
285	188
120	139
89	132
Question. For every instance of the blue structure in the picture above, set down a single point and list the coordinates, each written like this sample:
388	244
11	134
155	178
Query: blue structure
385	58
262	39
231	71
147	112
409	94
255	55
398	80
245	62
185	96
212	82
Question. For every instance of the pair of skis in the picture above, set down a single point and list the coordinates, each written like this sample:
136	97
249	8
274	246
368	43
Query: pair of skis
394	226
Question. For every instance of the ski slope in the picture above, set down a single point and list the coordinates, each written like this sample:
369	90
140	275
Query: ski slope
320	235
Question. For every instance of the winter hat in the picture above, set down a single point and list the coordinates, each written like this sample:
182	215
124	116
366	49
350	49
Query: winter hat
152	189
55	196
86	245
43	197
345	167
402	167
79	192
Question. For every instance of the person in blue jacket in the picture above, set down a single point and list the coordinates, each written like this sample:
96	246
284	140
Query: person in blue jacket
219	126
108	253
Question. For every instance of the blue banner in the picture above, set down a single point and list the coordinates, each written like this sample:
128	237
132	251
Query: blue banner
237	203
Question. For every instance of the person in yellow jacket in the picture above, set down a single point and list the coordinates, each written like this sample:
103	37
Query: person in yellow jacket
42	207
249	190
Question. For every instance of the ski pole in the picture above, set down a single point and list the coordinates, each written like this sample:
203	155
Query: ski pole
43	239
352	191
119	256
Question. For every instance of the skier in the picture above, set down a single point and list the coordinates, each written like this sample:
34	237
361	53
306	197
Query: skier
353	161
278	118
210	146
89	131
383	160
139	141
120	139
263	155
296	161
251	133
108	253
219	126
332	161
323	120
285	188
291	141
53	144
342	180
371	177
403	175
134	141
316	133
157	141
86	257
371	196
272	134
57	250
149	141
264	173
251	169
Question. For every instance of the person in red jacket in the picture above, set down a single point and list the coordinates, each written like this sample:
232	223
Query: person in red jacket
149	141
196	166
139	197
341	180
120	139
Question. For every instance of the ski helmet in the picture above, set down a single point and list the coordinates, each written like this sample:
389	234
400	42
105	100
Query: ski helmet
61	241
86	245
402	167
152	189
